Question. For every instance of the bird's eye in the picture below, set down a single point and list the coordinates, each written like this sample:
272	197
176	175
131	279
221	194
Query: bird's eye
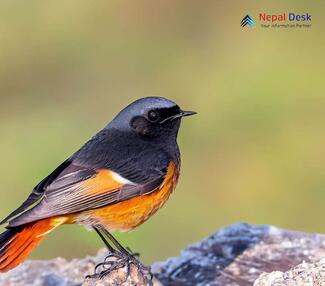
153	116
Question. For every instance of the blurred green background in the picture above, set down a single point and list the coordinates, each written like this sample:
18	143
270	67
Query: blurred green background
254	153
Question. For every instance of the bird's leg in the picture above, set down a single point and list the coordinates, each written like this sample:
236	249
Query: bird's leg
113	253
119	247
106	265
109	247
129	256
119	258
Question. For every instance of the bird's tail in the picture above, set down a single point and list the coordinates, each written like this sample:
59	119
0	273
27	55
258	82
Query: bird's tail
18	242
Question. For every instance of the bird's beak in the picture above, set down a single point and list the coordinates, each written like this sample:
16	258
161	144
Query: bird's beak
187	113
181	114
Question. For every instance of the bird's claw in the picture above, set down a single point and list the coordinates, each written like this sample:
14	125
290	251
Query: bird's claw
117	260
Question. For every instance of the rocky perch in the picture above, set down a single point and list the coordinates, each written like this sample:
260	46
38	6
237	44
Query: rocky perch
238	255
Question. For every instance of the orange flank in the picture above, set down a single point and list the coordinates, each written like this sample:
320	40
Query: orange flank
21	242
129	214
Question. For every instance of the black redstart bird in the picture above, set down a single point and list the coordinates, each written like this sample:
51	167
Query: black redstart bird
116	181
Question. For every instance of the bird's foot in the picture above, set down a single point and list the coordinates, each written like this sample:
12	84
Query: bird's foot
122	269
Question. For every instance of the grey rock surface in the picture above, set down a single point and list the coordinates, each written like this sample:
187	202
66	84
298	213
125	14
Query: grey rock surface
304	274
56	272
236	256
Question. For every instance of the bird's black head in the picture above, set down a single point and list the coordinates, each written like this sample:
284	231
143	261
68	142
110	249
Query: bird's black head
150	118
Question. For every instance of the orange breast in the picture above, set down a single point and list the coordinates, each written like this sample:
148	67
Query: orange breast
129	214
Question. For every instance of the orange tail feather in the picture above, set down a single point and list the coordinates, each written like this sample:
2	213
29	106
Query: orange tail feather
17	243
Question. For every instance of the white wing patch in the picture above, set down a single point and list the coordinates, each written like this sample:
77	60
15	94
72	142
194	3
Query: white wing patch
121	180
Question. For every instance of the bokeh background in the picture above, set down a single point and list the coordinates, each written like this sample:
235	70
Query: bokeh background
255	152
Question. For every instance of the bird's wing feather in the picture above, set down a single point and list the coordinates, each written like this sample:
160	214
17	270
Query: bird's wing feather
78	188
38	191
93	177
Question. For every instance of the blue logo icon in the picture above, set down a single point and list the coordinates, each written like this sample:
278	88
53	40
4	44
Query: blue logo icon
247	20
